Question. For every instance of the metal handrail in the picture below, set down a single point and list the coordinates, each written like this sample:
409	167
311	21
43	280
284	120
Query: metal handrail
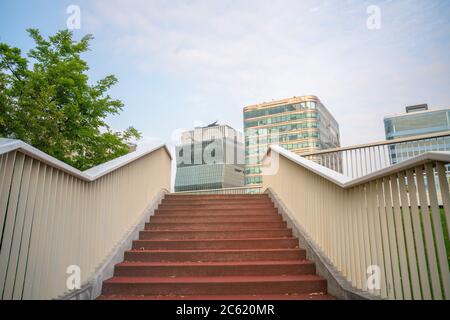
379	143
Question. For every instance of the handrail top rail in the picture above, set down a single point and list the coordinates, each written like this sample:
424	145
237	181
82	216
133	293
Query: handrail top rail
346	182
378	143
8	145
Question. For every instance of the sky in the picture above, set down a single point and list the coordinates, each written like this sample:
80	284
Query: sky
187	63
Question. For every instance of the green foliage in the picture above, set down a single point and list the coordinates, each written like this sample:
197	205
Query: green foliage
46	101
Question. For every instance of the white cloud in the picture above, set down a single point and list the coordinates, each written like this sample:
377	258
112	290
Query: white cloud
238	53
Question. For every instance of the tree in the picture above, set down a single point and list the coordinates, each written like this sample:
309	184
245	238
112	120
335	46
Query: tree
52	106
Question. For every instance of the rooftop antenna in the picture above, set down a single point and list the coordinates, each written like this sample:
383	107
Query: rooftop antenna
213	124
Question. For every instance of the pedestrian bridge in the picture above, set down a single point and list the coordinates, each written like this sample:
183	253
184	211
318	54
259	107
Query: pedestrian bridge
381	233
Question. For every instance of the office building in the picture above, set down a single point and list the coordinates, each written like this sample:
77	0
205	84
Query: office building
210	157
299	124
417	120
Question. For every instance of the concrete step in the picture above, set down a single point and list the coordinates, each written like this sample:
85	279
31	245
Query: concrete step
214	234
258	243
241	285
214	225
221	218
215	255
213	269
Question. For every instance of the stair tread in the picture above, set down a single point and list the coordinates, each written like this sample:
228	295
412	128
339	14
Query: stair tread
311	296
220	279
272	209
214	230
218	240
216	250
214	263
205	213
214	222
243	215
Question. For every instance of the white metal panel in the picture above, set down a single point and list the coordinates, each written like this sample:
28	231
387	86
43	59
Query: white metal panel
418	236
438	232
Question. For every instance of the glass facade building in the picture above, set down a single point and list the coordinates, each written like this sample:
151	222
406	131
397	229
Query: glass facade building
210	158
417	121
300	124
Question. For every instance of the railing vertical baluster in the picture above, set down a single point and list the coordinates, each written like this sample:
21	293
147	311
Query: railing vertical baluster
350	240
352	164
8	230
370	160
7	177
378	236
385	240
18	225
371	222
391	238
346	162
366	167
26	233
42	187
373	158
360	241
445	194
361	163
418	236
50	180
401	243
428	234
380	162
343	235
438	232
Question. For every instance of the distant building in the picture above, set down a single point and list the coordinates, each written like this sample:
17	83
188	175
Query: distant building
210	157
417	120
300	124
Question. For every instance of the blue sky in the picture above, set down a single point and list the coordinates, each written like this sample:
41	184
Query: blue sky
180	63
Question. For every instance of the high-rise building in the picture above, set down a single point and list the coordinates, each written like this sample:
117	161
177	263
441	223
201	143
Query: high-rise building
300	124
210	157
417	120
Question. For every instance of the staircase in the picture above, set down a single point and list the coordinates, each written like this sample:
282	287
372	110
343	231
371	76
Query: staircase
215	247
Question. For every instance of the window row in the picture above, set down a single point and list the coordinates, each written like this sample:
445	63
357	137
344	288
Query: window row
253	180
282	138
284	118
279	109
253	170
281	128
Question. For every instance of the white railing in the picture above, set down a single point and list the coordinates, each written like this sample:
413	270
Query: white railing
53	216
359	160
388	221
236	190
